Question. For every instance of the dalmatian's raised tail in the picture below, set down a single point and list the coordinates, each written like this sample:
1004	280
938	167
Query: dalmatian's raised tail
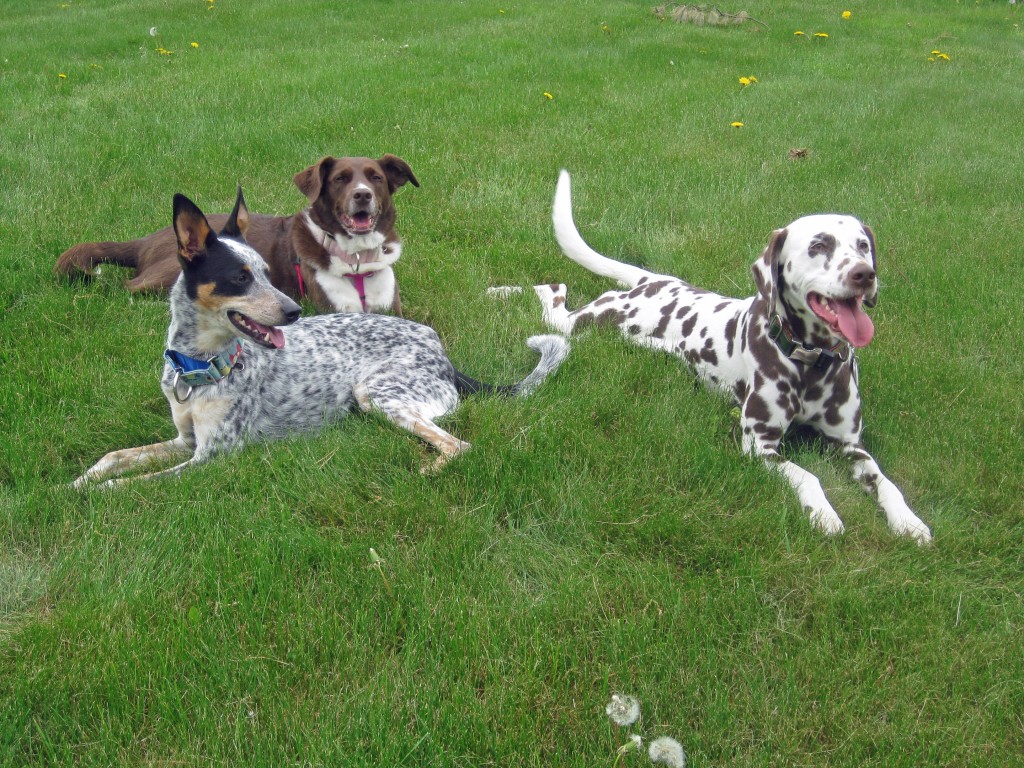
575	248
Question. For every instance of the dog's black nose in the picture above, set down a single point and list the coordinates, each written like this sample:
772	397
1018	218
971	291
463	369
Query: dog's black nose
291	311
362	195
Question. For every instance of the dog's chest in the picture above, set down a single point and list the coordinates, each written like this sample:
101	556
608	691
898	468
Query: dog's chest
342	289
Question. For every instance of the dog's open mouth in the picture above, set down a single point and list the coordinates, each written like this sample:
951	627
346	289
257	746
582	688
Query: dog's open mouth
265	336
845	317
358	223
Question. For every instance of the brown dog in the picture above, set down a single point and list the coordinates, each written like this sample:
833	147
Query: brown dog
338	251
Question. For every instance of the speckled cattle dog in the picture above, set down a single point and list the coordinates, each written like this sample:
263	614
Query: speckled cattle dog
233	376
786	354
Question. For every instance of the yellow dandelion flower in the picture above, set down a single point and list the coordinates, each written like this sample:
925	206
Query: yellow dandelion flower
931	58
821	34
744	81
753	79
798	33
944	56
935	53
847	14
736	124
195	44
62	76
548	95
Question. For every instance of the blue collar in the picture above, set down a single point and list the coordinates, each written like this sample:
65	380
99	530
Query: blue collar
193	372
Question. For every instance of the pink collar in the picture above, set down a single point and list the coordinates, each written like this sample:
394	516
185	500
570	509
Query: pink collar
358	279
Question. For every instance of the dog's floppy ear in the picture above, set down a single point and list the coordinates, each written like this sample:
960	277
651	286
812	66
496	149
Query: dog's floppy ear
398	172
872	300
238	222
766	268
191	228
311	180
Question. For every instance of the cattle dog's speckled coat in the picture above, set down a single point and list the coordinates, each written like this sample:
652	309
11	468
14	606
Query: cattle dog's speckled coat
814	275
293	379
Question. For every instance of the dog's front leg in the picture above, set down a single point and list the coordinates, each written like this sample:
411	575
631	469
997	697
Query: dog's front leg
762	440
902	520
117	463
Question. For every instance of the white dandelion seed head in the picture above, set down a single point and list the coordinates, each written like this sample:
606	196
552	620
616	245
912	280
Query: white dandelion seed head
152	31
668	751
623	710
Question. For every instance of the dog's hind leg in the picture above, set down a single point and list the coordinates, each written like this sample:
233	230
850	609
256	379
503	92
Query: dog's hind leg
553	304
902	520
408	418
117	463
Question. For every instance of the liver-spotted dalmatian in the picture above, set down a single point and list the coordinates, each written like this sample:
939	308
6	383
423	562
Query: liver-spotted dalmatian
785	354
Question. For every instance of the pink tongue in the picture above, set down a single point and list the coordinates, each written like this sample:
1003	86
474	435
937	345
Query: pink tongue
854	323
276	336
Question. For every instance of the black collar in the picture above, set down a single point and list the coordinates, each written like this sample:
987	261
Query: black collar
794	349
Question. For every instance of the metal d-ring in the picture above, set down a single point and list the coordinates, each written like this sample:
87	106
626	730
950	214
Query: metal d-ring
174	387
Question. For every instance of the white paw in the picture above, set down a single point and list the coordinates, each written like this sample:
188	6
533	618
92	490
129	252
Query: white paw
911	525
550	291
826	520
503	291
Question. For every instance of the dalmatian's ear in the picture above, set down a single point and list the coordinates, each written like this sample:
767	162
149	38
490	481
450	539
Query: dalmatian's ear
766	268
872	299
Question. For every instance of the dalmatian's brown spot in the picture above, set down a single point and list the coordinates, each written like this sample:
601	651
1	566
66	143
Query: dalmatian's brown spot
730	335
813	393
822	244
688	325
789	403
683	312
608	317
666	316
603	300
653	289
756	408
707	354
720	307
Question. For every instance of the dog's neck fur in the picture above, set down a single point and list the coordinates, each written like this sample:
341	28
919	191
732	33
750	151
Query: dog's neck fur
340	248
194	331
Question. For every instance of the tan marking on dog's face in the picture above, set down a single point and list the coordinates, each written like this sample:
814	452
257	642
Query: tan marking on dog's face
207	298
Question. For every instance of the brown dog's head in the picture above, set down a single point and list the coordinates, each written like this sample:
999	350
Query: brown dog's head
352	195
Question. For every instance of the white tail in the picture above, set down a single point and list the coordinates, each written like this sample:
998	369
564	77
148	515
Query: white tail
575	248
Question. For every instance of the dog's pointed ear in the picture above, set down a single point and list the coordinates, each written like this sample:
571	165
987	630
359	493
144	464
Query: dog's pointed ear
766	268
872	300
191	228
398	172
311	180
238	222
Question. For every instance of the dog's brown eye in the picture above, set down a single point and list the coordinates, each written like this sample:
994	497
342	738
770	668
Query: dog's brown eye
242	278
862	246
376	177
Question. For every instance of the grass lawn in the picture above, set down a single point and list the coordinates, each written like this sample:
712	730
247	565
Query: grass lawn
604	536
